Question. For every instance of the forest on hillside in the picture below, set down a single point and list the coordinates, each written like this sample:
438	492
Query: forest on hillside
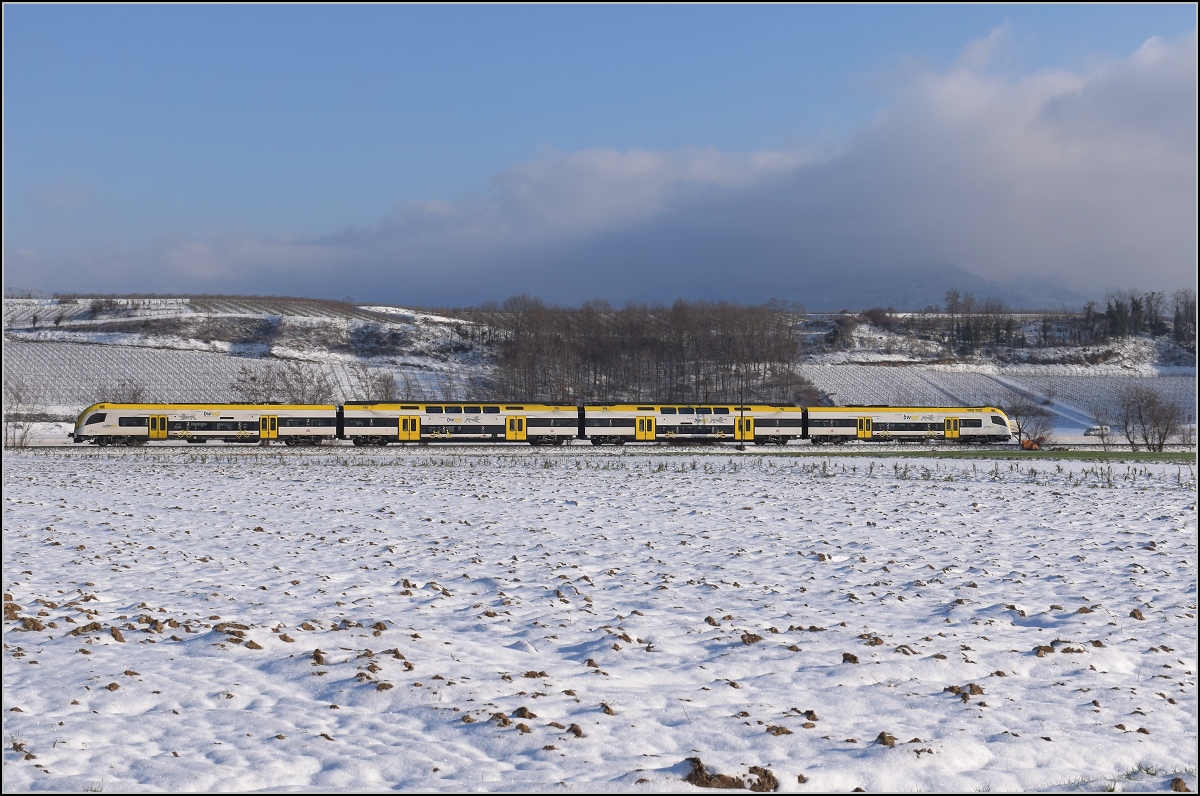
717	351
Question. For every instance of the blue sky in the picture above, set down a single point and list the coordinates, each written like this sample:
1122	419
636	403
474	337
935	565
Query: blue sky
284	142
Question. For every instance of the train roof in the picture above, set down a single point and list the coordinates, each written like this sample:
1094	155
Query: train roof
267	407
510	405
651	405
885	408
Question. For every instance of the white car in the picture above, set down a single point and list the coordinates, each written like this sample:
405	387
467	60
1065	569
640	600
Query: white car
1098	431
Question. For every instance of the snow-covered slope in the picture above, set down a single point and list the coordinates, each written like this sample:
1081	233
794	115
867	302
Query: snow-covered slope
62	355
65	354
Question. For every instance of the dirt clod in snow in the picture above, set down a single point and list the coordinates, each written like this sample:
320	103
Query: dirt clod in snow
700	777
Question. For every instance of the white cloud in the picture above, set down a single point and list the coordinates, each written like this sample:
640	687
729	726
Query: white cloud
1084	178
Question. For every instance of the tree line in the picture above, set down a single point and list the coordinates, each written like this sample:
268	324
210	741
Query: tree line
688	352
966	325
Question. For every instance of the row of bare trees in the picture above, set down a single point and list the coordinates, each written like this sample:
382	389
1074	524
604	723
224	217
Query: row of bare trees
296	382
1145	417
967	324
688	352
1142	414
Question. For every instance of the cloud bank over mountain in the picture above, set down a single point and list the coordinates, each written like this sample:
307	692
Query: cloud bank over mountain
1021	186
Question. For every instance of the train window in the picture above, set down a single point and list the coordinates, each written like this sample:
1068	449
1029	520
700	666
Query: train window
491	410
971	422
667	410
720	410
472	410
684	410
704	410
96	418
132	421
645	408
514	407
817	422
357	422
433	410
999	421
742	408
454	410
410	408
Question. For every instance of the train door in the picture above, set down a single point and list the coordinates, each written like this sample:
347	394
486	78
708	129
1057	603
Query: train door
744	429
410	429
268	427
952	428
158	426
515	430
864	428
645	429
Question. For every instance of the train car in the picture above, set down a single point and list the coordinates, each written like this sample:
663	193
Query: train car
836	424
617	424
375	423
137	424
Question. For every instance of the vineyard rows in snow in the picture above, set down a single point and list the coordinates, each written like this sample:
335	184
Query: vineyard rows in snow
65	377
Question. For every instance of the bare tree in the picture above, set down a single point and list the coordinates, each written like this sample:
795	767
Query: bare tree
1102	416
305	383
257	385
1033	421
1160	419
1184	326
1128	399
373	384
1149	416
17	424
411	388
124	391
1187	431
447	386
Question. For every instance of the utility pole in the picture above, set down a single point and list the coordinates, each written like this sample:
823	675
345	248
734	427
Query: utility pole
741	410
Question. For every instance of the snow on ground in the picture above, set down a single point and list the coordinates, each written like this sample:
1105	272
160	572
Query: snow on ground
411	316
513	619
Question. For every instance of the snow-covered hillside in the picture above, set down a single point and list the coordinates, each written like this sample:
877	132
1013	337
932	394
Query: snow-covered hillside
63	354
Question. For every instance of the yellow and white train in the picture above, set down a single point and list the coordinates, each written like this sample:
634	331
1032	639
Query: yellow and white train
376	423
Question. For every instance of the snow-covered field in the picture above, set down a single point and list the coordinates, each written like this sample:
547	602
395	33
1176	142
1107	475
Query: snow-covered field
519	619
